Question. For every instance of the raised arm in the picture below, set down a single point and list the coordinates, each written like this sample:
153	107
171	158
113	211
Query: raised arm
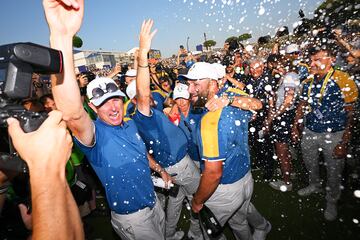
64	19
242	102
143	92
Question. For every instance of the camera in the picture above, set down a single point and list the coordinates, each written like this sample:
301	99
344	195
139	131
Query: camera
18	61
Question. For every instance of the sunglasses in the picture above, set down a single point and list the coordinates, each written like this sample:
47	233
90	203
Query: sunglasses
98	92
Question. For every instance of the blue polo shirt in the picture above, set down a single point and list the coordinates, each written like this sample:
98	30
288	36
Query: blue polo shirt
303	71
159	99
167	142
223	136
192	122
119	159
328	114
230	91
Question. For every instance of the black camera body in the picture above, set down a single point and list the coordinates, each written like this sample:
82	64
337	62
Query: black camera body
18	61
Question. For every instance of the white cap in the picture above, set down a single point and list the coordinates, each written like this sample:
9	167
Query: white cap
201	70
220	70
131	90
181	91
131	73
102	83
292	48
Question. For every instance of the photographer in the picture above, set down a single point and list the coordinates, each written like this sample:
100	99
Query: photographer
46	152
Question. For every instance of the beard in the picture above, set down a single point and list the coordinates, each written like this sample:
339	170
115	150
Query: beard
201	99
200	102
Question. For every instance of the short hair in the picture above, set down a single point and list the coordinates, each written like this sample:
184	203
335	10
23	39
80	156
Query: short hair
43	98
256	59
324	47
274	58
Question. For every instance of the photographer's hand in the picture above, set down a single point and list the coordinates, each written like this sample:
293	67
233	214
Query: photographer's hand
46	152
38	148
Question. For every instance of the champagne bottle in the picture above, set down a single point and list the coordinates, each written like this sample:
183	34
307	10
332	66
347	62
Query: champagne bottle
207	218
159	182
209	222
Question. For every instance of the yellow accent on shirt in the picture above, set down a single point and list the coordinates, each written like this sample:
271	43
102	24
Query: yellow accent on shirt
209	134
347	85
237	91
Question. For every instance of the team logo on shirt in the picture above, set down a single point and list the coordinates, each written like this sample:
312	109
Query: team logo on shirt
192	121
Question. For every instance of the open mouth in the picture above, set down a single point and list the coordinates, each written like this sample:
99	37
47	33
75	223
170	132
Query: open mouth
114	115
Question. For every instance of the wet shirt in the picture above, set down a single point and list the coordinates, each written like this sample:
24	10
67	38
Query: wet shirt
119	159
223	136
192	122
303	71
159	99
167	142
327	109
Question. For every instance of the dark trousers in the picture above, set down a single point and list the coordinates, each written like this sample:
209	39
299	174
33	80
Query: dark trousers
261	150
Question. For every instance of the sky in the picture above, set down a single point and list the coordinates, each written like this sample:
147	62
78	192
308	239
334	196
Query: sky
114	24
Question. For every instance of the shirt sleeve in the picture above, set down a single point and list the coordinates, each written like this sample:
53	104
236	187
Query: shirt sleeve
89	151
146	122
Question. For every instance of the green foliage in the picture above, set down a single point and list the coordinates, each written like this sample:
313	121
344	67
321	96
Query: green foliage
77	42
332	13
230	39
209	43
244	37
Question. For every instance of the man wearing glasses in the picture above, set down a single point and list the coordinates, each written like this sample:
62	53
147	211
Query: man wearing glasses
114	148
295	61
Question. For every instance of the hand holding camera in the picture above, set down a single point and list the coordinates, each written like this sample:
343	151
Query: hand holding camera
50	137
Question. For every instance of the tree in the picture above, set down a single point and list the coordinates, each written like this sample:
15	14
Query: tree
244	37
77	42
209	43
231	39
336	12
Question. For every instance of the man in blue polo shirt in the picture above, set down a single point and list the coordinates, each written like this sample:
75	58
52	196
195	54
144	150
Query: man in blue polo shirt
114	147
165	141
157	99
226	183
327	103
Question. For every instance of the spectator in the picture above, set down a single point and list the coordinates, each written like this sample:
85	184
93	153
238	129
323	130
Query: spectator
278	124
327	108
130	76
256	85
294	56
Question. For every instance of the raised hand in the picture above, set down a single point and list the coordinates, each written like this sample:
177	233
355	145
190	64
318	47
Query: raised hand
217	103
64	17
146	35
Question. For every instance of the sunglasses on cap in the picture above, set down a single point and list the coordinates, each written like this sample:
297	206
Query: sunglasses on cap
98	92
